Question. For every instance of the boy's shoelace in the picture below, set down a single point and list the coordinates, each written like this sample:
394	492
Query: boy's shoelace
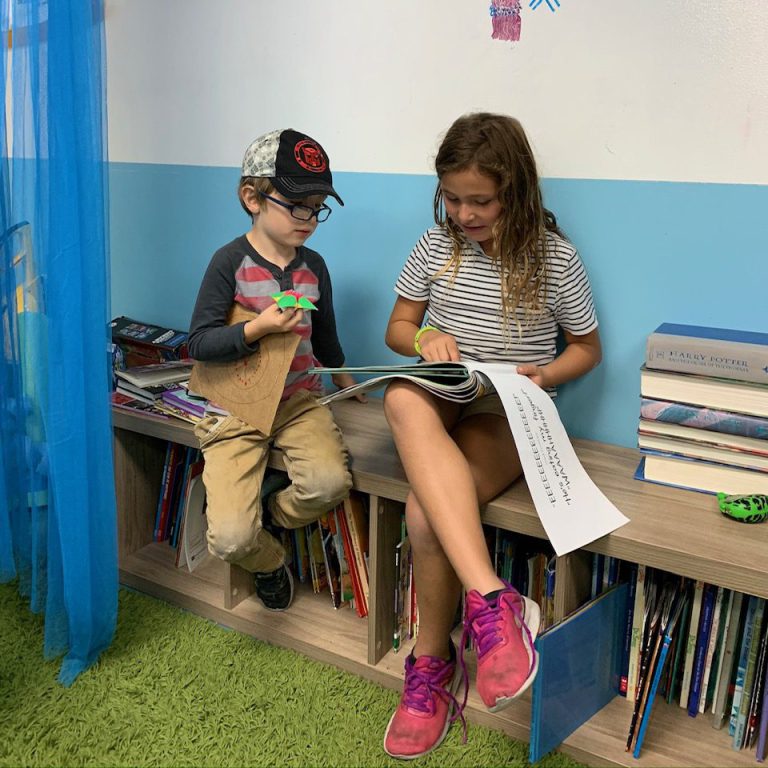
420	685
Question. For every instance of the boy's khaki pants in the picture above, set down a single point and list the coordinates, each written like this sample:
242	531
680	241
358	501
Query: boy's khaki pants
235	460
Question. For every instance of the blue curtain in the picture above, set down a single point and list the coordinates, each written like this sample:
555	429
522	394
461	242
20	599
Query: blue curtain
57	505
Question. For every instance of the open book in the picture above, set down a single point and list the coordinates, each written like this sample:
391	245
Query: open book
452	381
572	509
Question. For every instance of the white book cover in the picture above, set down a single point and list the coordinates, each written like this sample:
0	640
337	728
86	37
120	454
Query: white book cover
195	525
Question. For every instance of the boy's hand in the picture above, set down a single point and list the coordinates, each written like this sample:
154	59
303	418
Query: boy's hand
344	380
272	320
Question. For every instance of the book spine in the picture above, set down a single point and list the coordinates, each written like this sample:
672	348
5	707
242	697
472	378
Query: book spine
708	357
702	644
167	492
349	554
726	669
690	648
757	695
749	676
762	734
699	417
627	646
741	669
161	495
714	635
637	633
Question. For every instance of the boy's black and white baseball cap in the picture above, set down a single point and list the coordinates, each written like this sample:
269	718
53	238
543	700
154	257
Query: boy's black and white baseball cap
296	164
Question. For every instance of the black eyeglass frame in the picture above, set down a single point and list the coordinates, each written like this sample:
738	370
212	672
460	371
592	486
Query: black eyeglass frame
323	211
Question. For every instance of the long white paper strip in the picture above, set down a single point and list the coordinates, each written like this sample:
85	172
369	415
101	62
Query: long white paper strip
572	509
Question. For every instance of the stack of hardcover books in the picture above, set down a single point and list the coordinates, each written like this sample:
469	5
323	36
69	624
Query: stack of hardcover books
704	409
144	344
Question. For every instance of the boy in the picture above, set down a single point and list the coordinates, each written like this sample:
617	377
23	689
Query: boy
284	183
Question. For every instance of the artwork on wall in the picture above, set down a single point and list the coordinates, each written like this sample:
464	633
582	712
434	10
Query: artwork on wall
506	19
553	5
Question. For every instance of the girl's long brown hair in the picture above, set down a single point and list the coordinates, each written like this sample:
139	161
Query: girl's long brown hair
496	146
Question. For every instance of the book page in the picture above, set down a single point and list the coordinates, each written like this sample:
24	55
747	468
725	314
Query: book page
572	509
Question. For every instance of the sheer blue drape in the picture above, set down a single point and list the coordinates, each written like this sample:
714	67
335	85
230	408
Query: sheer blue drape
57	505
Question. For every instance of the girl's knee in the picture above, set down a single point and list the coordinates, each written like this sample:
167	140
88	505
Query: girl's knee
399	400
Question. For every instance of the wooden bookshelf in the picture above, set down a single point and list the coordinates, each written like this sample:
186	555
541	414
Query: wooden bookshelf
675	530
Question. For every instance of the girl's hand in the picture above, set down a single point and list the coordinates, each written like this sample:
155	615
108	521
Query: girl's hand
536	373
439	347
273	320
344	380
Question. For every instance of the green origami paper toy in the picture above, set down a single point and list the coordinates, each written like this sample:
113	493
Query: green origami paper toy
287	299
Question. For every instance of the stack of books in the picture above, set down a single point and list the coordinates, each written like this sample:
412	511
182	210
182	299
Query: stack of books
158	389
143	344
704	409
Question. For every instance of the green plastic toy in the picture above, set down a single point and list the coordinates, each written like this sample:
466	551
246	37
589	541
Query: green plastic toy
286	299
747	508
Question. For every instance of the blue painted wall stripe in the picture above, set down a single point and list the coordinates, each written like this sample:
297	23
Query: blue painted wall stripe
655	251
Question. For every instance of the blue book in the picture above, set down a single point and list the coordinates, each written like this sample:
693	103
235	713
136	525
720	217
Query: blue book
718	352
702	643
579	666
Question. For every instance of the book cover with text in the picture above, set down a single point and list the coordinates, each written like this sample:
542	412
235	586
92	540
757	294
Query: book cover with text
731	354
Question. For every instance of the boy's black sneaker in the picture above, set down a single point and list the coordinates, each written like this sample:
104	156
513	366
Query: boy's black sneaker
275	589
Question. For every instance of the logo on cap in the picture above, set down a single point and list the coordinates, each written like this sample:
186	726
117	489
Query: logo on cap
309	156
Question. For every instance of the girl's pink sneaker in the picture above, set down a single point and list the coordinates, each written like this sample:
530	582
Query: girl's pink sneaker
503	631
427	707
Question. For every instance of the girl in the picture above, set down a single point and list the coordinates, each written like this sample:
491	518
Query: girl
497	280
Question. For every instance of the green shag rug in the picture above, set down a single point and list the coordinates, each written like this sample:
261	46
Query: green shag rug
177	690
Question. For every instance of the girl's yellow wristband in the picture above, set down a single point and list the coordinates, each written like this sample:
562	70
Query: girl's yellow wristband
418	335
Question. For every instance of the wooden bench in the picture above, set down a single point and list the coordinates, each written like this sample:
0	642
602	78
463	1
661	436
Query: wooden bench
671	529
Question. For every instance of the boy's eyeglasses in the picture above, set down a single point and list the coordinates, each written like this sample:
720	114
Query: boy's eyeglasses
302	212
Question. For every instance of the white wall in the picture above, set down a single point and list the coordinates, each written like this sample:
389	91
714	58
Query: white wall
671	90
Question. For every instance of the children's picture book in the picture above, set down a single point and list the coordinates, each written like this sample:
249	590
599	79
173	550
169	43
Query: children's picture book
579	667
702	643
572	509
128	402
723	352
250	387
721	705
690	642
762	729
194	539
169	372
669	625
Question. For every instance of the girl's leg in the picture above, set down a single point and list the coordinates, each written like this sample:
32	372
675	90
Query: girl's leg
448	483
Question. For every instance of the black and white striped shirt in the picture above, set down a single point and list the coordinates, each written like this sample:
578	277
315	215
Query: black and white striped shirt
468	304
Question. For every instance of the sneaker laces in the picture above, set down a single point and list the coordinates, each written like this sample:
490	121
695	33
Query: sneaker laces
485	624
421	684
